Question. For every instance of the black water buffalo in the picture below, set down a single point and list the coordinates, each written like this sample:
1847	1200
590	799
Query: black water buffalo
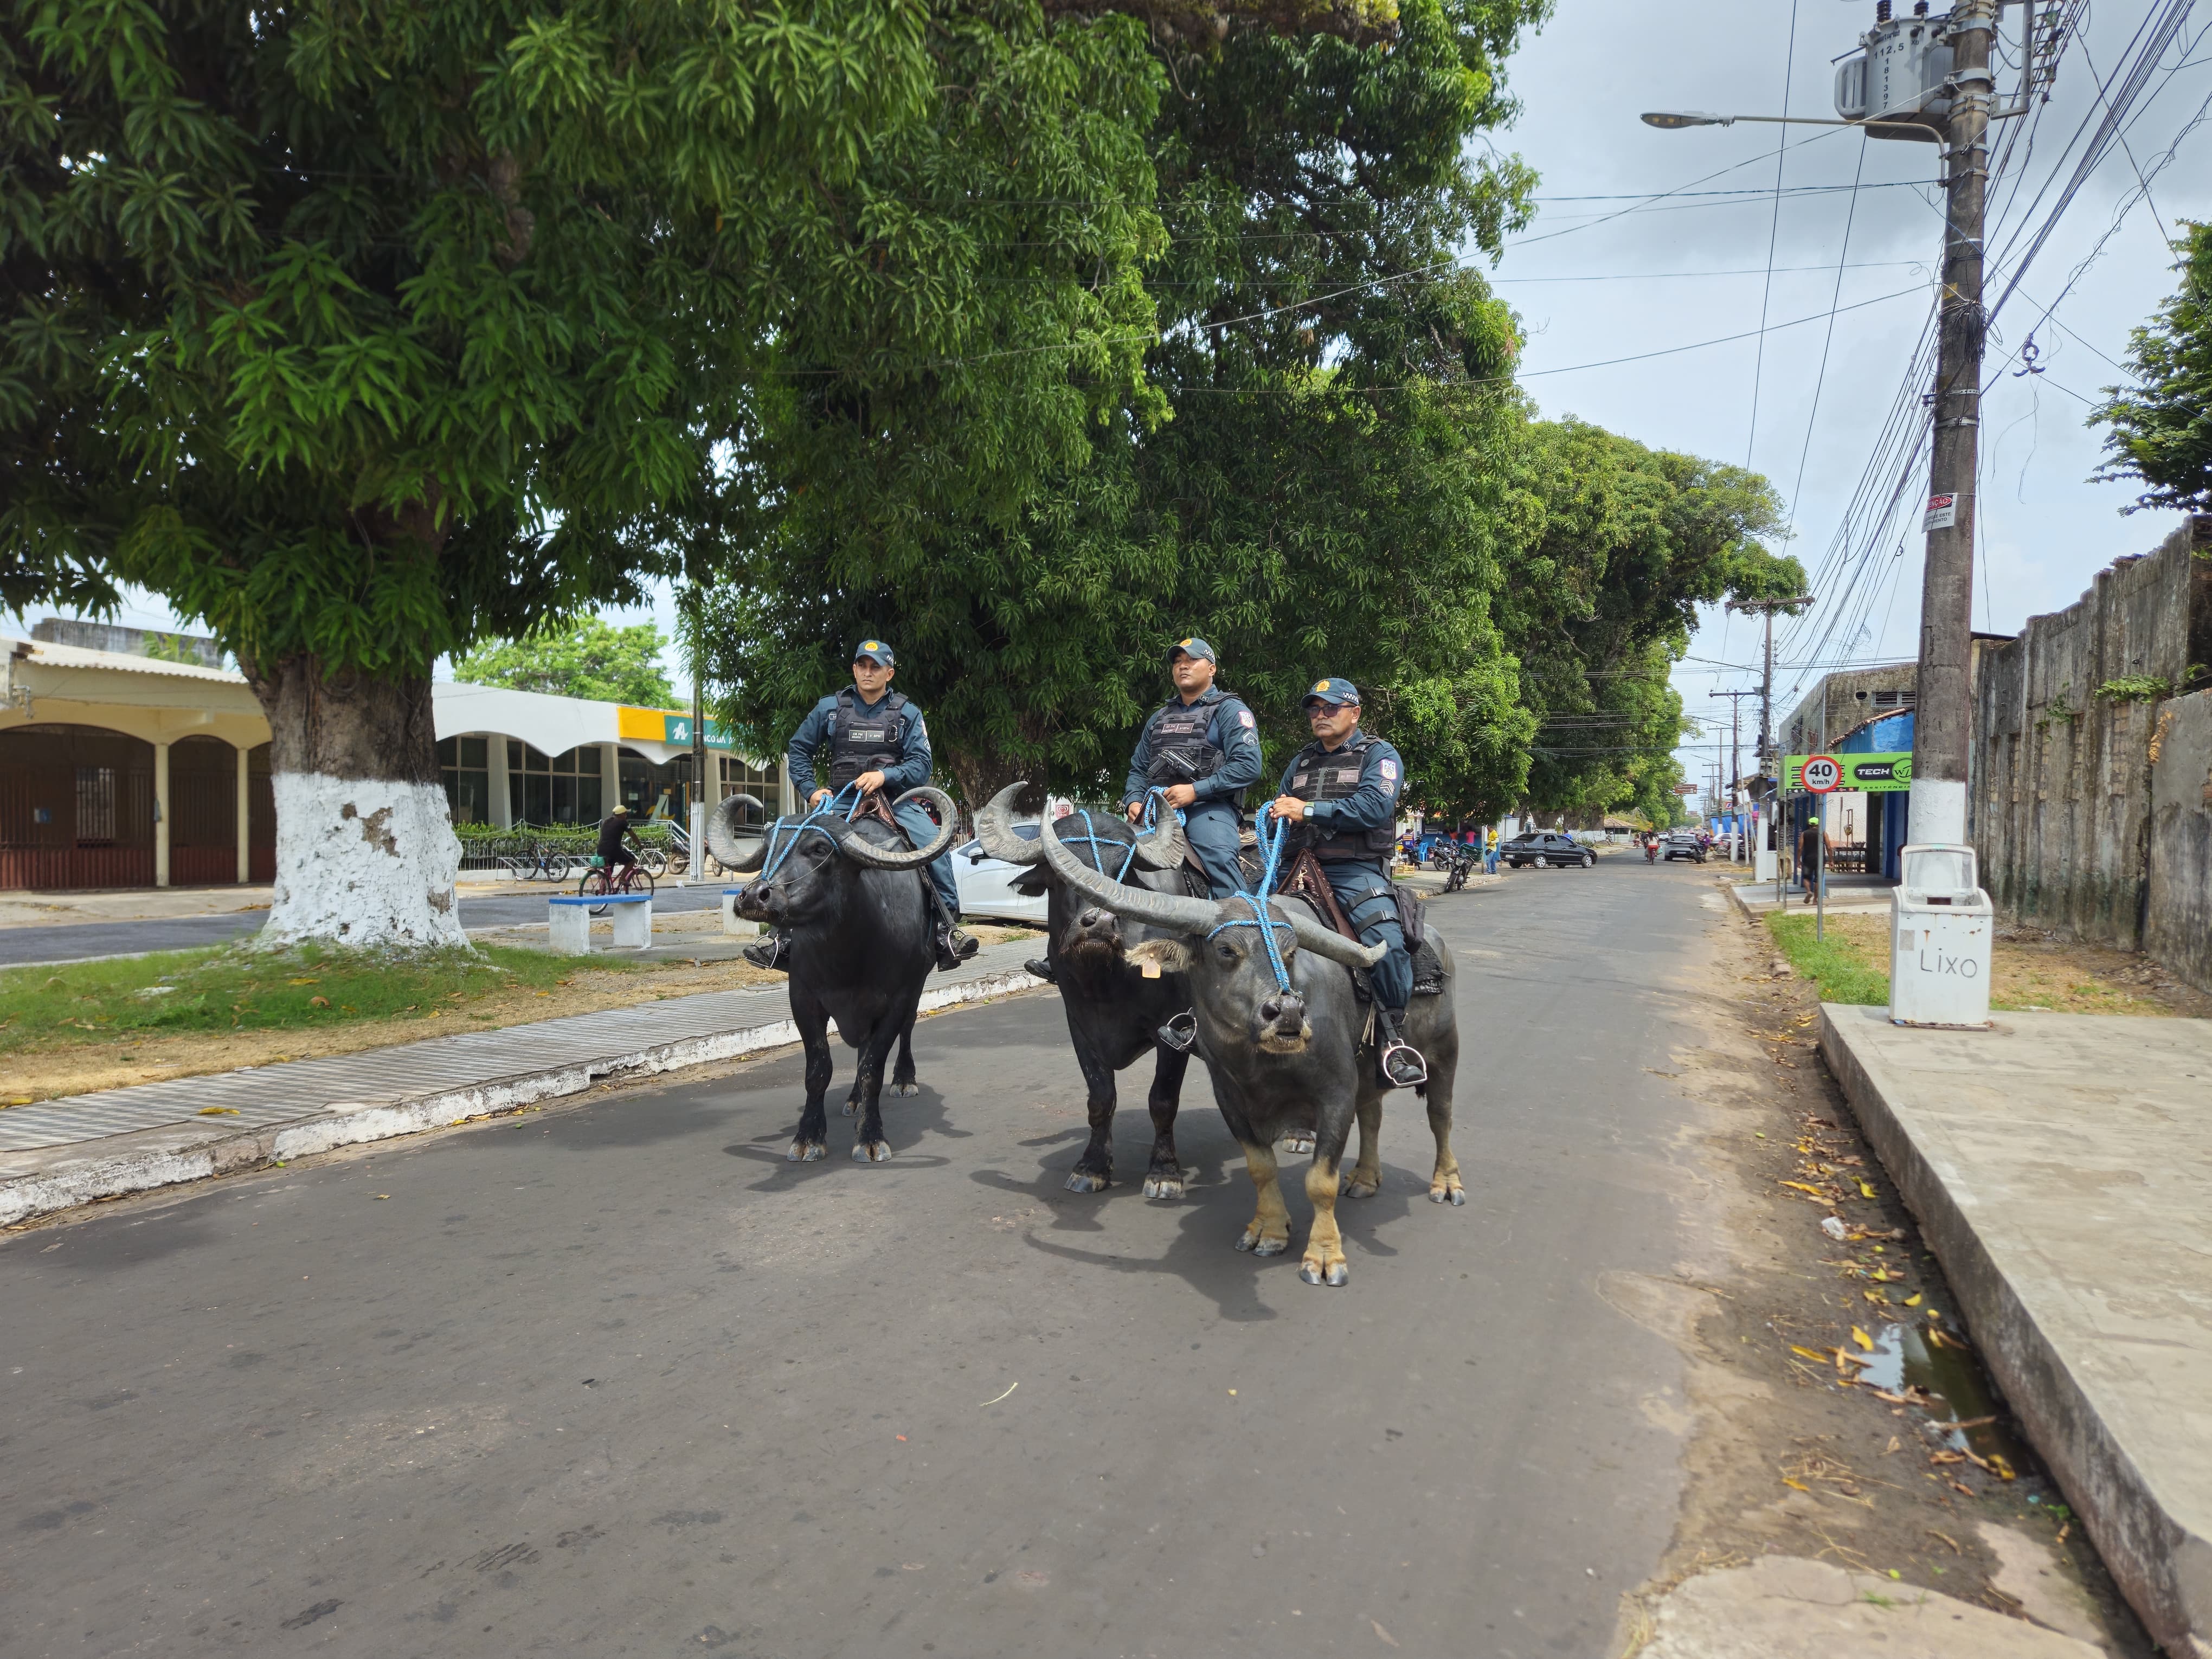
1113	1010
850	895
1287	1056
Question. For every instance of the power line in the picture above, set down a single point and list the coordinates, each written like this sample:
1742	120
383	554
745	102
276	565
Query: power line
1773	231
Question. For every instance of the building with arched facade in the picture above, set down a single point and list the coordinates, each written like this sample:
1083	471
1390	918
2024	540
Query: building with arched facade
120	768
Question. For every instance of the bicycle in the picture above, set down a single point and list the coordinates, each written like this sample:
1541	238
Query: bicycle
595	883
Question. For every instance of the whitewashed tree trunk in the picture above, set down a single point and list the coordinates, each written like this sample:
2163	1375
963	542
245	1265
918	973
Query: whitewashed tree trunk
366	852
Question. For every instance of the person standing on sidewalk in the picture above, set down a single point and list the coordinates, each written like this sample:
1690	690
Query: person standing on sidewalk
872	737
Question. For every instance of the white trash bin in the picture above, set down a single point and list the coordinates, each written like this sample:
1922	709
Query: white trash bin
1940	930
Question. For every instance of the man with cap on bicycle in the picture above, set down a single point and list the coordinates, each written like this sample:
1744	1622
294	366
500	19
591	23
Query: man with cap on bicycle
871	735
1339	797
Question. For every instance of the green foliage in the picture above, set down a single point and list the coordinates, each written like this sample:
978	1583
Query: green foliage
234	988
1327	497
2161	428
367	332
585	657
2133	688
1620	544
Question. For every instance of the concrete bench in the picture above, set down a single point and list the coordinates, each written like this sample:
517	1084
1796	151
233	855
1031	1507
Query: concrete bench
568	922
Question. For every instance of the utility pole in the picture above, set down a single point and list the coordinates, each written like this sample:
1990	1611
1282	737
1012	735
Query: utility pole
1767	608
1943	712
1736	761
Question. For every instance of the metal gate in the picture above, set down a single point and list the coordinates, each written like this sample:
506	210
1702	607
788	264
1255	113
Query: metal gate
76	808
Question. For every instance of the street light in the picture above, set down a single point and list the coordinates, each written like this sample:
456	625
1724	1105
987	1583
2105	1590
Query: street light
1673	118
1684	118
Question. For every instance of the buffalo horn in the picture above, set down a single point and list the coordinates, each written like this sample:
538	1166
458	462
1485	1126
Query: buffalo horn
1171	912
1327	942
994	828
861	850
735	848
1163	849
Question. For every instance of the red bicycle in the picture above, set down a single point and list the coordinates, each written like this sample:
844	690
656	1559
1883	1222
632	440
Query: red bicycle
597	884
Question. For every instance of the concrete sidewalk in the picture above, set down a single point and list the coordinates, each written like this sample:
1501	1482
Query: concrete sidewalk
81	1148
2060	1168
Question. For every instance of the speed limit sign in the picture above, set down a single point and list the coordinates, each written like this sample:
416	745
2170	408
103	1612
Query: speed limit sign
1823	772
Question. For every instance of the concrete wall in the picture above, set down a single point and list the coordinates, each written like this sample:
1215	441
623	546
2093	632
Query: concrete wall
1844	700
2063	787
130	641
2178	929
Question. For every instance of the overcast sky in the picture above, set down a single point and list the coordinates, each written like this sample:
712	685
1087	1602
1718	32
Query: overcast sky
1599	278
1591	291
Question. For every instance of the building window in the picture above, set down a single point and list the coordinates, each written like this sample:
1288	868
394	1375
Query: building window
564	789
464	763
740	776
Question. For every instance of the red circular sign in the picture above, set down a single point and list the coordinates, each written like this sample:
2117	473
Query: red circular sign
1823	772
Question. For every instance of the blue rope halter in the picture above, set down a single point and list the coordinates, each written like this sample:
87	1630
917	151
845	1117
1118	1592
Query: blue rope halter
778	854
1091	838
1271	853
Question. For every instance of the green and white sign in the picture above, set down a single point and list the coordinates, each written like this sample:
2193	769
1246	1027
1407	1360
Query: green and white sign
1872	772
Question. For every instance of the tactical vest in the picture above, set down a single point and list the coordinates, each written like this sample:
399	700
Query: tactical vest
865	739
1181	752
1317	775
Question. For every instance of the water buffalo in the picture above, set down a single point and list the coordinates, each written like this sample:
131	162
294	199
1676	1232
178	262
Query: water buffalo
1114	1011
850	895
1286	1054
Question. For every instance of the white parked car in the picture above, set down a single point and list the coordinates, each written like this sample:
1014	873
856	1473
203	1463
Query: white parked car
987	884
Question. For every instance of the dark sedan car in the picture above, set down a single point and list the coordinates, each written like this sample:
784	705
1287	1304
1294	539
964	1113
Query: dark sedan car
1544	846
1683	844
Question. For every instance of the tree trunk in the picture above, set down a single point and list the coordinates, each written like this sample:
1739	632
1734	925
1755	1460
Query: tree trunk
366	852
981	776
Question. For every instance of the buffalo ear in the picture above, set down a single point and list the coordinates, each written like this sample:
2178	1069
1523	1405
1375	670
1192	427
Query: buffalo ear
1170	956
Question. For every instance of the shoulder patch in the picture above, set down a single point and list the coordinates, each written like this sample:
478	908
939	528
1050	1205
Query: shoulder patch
1244	719
1389	769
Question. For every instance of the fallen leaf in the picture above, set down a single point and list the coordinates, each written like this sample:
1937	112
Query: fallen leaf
384	1194
1913	1301
1800	1485
1809	1353
1875	1296
1802	1187
1384	1634
1865	1191
1861	1339
216	1111
303	981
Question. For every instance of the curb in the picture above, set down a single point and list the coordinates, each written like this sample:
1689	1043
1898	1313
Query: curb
2162	1567
353	1122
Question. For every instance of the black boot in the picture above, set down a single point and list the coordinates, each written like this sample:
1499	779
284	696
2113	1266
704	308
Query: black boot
774	952
1180	1032
1398	1063
953	947
1042	967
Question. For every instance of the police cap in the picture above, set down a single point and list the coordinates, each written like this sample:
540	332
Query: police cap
1193	647
873	651
1334	692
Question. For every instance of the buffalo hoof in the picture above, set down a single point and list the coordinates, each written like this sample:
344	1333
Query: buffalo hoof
1261	1244
1360	1186
1297	1141
906	1088
806	1151
1160	1184
871	1151
1453	1195
1088	1180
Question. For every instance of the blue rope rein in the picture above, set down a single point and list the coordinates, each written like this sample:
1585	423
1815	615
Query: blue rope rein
1091	838
1271	854
777	854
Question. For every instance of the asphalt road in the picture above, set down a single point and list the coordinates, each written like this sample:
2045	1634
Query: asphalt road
79	941
618	1380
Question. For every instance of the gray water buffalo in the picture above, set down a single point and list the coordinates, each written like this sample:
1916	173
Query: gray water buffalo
851	897
1114	1011
1285	1050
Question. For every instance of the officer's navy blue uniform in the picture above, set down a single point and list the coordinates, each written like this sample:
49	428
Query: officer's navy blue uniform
1352	806
899	741
1214	731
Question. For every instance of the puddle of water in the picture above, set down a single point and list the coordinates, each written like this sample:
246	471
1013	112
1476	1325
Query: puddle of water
1901	1356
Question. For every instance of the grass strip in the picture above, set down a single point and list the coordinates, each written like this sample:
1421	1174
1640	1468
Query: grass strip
1851	964
230	988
